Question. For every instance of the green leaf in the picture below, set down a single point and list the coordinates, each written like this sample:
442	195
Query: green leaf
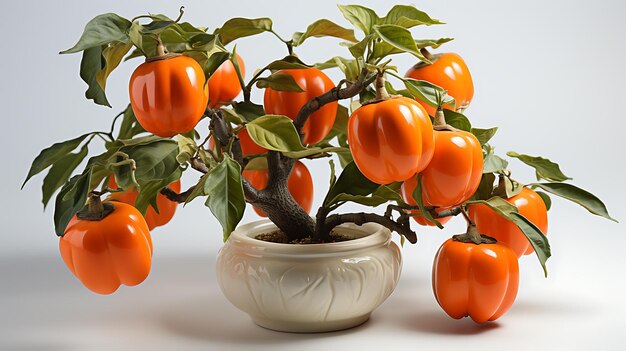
545	168
232	116
419	199
358	49
350	182
139	141
279	81
70	200
457	120
150	190
226	199
427	92
498	205
364	96
214	62
204	42
339	126
288	62
393	91
186	149
275	132
90	65
333	175
537	239
324	28
546	199
113	55
98	166
249	110
53	154
380	196
198	190
350	68
512	187
129	126
257	164
485	187
399	38
60	172
408	16
156	160
236	28
431	43
345	158
101	30
361	17
391	192
484	135
577	195
316	150
494	163
178	38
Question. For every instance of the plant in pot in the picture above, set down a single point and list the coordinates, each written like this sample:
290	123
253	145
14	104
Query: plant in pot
409	148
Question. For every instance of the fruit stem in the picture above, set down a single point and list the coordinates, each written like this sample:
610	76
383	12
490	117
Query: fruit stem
95	210
440	118
501	188
381	91
95	204
426	54
160	48
473	233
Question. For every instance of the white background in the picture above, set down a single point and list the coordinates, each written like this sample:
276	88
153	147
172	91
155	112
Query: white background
549	74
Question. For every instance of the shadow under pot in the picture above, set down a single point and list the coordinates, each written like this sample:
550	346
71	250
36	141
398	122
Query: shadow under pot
309	288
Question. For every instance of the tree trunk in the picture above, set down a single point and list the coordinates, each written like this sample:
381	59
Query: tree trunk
285	212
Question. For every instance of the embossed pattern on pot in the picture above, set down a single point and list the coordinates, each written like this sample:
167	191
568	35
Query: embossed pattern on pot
309	288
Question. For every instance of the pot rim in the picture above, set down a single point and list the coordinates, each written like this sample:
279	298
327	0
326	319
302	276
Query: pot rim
368	236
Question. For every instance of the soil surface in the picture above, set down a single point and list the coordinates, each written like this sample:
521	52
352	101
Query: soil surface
280	237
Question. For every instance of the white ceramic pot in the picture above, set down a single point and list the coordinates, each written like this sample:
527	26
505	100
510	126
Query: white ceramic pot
313	287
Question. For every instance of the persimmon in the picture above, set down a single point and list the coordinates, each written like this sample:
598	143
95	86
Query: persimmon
314	83
299	183
224	83
406	190
479	281
168	95
108	252
166	207
529	204
454	172
390	140
449	71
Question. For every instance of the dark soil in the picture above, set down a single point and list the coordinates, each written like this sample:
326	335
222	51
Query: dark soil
280	237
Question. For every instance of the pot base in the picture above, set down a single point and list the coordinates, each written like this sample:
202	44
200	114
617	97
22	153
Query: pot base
311	327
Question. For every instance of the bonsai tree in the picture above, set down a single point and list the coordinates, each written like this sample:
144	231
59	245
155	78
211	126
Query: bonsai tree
401	140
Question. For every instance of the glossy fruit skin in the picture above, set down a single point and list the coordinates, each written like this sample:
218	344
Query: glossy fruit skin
166	207
450	72
479	281
314	83
299	183
454	172
168	96
406	190
391	140
529	204
224	84
108	253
